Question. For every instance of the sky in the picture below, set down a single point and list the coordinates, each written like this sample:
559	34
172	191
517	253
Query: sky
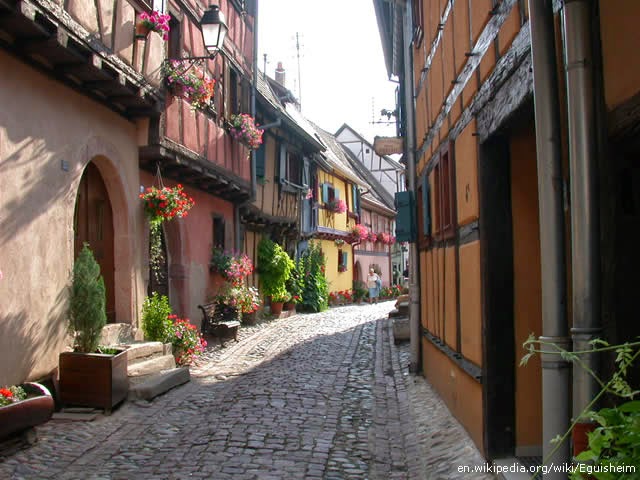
343	78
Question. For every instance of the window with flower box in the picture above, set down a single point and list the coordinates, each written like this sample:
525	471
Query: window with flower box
343	258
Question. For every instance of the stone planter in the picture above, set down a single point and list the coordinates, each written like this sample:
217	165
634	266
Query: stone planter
250	318
93	379
37	408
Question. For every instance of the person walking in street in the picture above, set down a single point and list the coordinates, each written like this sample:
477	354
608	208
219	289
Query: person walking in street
373	283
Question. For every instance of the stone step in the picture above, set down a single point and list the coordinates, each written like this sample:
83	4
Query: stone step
398	313
141	351
151	366
159	383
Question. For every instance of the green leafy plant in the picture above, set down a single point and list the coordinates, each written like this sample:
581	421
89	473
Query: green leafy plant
275	267
615	443
87	304
359	290
315	288
156	324
294	284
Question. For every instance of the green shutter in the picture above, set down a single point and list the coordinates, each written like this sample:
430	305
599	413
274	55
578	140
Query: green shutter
405	218
260	157
345	256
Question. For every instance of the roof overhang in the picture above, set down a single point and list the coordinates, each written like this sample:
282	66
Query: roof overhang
185	166
59	48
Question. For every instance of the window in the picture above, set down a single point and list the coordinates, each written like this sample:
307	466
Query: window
418	23
218	232
443	197
175	38
329	194
260	161
160	5
343	258
290	168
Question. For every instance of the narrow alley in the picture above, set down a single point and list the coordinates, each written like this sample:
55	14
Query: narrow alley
311	396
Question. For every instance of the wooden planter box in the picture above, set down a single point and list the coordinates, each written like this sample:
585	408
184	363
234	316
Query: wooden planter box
20	416
93	379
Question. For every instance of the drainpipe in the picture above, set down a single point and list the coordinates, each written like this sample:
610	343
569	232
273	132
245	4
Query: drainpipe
555	371
253	96
585	227
414	292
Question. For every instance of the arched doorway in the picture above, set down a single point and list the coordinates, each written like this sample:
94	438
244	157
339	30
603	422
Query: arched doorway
93	223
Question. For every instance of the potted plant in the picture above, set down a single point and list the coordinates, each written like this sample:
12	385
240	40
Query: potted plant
244	129
359	291
233	267
188	82
275	267
278	299
23	407
359	233
336	206
153	22
373	236
186	341
90	376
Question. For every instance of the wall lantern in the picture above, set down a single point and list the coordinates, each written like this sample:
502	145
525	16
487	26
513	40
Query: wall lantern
214	29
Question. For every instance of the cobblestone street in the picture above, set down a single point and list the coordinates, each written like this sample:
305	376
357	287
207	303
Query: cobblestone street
313	396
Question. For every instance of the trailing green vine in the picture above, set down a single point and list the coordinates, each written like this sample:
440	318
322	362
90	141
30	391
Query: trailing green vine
614	446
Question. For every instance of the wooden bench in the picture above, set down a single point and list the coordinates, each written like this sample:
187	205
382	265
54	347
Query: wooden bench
215	323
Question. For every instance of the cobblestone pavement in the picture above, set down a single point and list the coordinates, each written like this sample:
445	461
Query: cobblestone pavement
313	396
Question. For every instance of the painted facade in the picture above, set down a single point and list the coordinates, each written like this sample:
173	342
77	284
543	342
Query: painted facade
491	271
86	124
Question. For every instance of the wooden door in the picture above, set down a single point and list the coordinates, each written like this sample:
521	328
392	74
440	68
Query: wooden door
94	224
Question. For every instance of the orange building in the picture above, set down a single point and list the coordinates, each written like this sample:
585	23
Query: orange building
520	121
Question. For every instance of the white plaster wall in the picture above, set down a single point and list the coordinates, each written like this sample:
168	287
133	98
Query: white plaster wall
42	124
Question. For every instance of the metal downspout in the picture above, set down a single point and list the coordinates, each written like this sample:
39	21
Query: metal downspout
585	227
555	371
253	96
414	292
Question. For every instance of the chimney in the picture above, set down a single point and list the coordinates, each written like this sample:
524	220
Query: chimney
280	74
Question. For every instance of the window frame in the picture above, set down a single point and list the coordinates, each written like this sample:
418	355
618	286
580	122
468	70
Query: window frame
444	226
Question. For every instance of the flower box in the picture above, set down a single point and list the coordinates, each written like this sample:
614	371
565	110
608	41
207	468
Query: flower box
93	379
244	129
22	415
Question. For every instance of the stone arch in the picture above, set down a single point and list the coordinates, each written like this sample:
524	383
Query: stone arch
109	162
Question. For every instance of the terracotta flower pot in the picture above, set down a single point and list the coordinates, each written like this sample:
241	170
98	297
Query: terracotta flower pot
276	308
34	410
142	30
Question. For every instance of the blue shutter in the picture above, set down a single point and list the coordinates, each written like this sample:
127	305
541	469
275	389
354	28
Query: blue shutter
260	157
325	192
426	205
345	256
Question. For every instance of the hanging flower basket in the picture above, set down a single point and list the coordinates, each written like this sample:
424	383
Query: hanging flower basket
154	21
373	236
244	129
160	205
359	233
186	81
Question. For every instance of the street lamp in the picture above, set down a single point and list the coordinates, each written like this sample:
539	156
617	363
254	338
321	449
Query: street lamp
214	29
